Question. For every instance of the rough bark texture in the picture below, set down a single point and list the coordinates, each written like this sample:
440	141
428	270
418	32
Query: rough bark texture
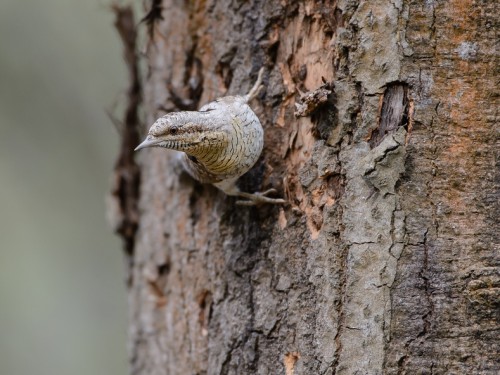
386	259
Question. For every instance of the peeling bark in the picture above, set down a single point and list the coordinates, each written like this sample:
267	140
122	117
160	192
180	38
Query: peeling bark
383	261
123	201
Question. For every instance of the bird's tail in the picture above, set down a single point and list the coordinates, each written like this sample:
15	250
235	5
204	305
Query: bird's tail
256	87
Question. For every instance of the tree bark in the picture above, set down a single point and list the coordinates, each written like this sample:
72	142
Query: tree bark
385	259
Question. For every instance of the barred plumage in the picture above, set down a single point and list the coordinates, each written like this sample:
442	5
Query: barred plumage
221	142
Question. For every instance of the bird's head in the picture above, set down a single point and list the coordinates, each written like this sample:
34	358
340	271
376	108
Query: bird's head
183	131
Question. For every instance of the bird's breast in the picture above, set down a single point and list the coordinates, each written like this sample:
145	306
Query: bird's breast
240	150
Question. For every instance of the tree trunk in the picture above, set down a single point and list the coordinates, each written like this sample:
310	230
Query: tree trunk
384	259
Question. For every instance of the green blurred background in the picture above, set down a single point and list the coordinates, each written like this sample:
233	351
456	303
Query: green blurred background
62	293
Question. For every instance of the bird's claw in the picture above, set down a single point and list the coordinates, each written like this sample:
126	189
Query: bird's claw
259	198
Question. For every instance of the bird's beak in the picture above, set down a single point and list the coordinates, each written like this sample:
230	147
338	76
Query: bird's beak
148	142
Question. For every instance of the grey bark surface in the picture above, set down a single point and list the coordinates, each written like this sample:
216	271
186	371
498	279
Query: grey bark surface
385	259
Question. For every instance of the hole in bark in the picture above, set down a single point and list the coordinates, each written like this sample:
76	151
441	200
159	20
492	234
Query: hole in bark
393	112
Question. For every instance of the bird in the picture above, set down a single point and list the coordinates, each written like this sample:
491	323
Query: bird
219	143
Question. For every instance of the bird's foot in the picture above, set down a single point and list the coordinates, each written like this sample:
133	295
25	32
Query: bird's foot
258	198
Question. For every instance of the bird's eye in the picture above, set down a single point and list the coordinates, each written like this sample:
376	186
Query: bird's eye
173	131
